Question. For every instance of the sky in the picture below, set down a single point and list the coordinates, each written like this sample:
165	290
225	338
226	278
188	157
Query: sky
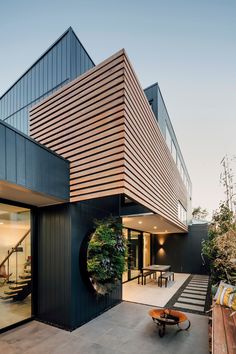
187	46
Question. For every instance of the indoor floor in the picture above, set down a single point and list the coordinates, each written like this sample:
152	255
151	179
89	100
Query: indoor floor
13	311
151	293
126	328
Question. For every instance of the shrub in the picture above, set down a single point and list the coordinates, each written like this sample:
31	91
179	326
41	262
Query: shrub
220	248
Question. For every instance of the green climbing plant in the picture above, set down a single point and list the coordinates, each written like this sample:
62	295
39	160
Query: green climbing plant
106	255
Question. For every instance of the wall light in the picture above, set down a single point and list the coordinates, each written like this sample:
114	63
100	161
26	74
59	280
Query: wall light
1	223
140	222
161	251
155	227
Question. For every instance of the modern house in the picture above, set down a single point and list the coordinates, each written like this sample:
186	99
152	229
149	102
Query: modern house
79	142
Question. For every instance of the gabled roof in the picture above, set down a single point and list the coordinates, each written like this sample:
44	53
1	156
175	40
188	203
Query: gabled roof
69	32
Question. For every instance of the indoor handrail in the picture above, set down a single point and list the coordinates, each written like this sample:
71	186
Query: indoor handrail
13	249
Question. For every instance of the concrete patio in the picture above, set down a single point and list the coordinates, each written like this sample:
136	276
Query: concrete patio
151	293
126	328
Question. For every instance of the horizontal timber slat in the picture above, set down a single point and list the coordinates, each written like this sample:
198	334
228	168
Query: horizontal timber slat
103	124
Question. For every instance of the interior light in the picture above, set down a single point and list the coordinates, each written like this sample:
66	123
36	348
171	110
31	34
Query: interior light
1	223
166	231
155	227
140	222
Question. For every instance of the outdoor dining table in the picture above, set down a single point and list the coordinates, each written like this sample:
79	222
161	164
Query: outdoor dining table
157	268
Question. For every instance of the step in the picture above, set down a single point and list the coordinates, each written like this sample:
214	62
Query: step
21	282
25	276
12	292
18	286
7	297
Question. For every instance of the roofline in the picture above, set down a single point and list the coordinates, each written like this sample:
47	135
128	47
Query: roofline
70	29
32	140
155	84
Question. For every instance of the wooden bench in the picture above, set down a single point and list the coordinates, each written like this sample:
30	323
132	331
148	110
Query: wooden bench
144	275
166	276
223	330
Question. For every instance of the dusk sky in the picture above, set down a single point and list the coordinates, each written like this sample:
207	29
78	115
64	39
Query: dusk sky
187	46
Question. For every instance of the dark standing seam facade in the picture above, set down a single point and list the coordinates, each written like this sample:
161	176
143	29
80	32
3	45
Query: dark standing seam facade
62	62
26	163
65	297
182	251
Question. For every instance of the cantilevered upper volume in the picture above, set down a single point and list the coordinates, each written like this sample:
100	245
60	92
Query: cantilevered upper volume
103	124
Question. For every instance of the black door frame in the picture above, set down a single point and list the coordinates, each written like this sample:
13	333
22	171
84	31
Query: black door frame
140	252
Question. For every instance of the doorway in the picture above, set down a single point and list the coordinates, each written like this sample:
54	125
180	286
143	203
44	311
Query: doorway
15	265
139	252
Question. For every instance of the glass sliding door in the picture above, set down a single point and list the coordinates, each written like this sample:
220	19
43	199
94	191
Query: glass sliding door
135	253
15	265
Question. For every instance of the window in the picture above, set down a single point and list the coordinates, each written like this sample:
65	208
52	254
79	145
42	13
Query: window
168	138
173	151
15	260
182	213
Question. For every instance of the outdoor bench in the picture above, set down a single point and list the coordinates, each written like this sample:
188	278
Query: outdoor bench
166	276
223	330
144	275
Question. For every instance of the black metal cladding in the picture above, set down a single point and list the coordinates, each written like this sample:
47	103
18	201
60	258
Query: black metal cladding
53	298
182	251
63	297
26	163
62	62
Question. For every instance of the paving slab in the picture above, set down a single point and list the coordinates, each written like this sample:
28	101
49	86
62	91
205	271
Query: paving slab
126	328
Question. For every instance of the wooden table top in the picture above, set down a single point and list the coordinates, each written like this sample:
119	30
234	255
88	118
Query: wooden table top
157	267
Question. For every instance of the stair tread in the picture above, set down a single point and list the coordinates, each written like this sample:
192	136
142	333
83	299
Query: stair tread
21	281
11	292
25	276
18	286
6	297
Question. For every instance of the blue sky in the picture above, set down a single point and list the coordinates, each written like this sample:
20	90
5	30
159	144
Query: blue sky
188	46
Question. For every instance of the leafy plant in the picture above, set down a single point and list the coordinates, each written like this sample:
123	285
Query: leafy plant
220	248
106	255
199	213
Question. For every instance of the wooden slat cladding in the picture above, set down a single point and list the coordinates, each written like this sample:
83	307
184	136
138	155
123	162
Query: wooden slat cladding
103	124
84	123
151	174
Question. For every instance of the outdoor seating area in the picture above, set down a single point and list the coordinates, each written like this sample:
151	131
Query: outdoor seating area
151	293
152	270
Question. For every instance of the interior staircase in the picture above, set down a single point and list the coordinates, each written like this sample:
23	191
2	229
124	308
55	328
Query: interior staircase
20	287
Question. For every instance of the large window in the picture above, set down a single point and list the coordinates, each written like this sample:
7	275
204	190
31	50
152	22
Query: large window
15	264
171	145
